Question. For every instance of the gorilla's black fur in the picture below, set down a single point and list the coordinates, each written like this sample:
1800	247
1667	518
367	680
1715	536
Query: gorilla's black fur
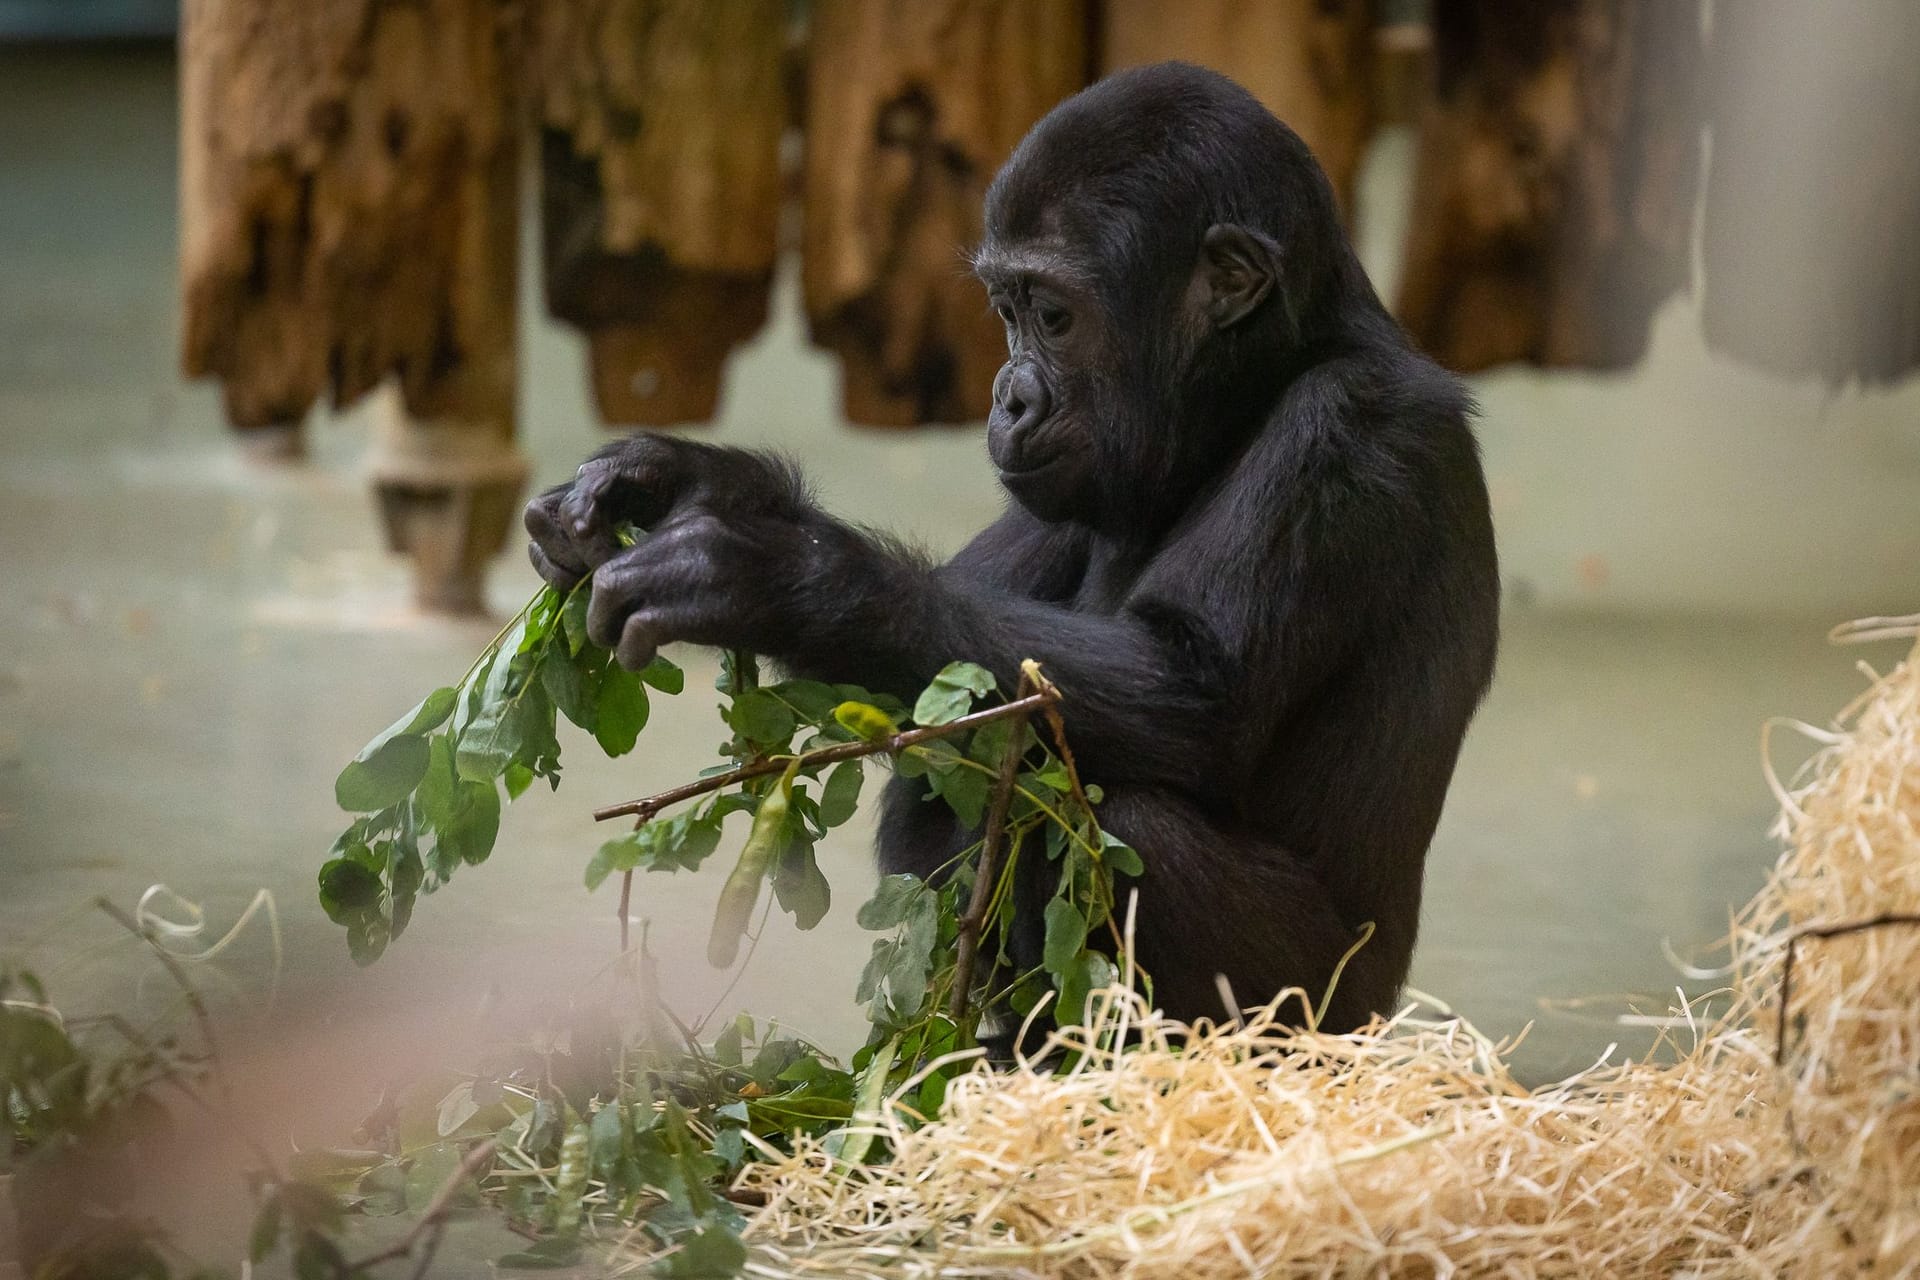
1249	540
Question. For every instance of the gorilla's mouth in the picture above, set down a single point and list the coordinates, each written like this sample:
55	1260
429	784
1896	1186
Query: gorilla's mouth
1028	468
1031	457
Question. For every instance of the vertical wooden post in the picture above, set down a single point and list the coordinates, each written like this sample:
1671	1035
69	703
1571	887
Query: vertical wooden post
1558	169
1309	61
911	108
660	189
350	216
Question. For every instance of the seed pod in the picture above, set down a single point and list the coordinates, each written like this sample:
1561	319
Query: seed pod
742	890
570	1182
865	721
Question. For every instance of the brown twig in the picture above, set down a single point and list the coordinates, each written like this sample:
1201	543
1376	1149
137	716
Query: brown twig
1821	932
986	875
1030	672
626	899
893	744
431	1223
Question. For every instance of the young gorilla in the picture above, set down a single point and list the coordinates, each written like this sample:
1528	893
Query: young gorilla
1249	540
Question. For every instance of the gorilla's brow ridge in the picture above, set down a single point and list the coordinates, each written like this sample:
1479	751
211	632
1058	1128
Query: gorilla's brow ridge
1046	259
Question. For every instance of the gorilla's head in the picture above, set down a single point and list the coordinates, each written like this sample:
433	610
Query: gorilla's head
1165	254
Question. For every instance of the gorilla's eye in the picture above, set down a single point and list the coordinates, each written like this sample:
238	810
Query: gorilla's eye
1054	321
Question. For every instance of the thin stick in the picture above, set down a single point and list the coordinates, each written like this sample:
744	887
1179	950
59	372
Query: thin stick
1030	671
986	874
626	897
201	1015
1821	931
430	1224
647	807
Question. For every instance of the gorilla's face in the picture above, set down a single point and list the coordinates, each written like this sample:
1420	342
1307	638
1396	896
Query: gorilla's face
1042	432
1090	417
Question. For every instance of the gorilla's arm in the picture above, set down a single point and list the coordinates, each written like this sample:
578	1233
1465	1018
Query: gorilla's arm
740	556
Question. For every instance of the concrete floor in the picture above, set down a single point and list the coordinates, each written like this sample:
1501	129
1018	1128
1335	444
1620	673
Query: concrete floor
192	644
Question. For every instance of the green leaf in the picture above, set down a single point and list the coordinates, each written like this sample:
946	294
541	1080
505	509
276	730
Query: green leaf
913	963
382	1191
573	617
574	685
367	938
456	1108
348	888
664	675
266	1227
712	1252
618	854
1120	856
852	1146
759	716
965	791
381	776
390	766
814	700
841	794
428	1171
475	824
1066	936
952	692
505	718
517	778
989	742
604	1137
622	711
892	898
797	883
739	672
434	798
1089	972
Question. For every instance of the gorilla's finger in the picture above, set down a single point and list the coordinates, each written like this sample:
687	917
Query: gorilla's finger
619	588
640	640
587	516
559	577
555	547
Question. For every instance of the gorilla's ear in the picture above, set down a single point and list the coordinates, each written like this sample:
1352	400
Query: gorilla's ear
1238	268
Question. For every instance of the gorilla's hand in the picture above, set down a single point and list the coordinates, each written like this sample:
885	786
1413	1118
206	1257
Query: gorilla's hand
726	582
644	480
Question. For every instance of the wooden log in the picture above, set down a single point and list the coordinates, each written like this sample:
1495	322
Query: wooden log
348	190
349	193
1556	181
911	108
1813	207
1310	61
660	189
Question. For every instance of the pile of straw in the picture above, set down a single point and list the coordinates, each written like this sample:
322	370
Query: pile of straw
1409	1149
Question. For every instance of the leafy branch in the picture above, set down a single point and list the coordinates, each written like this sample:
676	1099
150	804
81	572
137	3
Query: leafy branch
671	1118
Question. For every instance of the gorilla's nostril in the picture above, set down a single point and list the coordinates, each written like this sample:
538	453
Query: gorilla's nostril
1025	397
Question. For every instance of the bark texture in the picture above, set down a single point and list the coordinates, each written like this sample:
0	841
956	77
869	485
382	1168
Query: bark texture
912	106
1310	61
1812	237
661	189
1557	178
349	201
